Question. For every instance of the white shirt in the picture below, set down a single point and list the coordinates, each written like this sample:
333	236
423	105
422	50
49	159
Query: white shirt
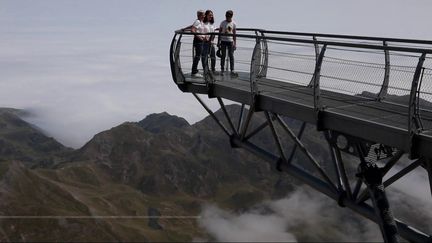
199	26
209	28
227	28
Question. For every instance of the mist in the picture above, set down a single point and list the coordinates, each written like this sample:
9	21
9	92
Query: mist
304	215
82	67
307	215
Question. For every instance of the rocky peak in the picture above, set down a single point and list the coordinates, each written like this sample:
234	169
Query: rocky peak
160	122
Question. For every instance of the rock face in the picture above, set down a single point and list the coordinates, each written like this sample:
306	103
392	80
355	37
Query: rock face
161	165
175	157
157	123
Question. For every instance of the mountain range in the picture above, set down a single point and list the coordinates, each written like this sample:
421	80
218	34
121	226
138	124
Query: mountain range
139	181
160	166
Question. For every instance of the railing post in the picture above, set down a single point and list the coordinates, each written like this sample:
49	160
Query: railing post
316	48
413	122
316	87
264	57
255	67
176	71
317	52
384	87
172	57
417	111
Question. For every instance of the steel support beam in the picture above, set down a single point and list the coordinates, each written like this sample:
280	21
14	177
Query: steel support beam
246	124
340	171
277	140
222	105
392	161
307	153
403	172
240	120
256	130
373	179
364	196
363	209
428	165
299	135
212	115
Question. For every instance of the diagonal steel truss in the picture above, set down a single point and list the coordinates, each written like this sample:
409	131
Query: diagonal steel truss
354	193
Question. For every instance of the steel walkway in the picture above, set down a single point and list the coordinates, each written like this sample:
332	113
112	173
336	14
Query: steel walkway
373	92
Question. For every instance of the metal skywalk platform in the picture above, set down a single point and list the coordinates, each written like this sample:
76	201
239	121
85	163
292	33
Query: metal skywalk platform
366	91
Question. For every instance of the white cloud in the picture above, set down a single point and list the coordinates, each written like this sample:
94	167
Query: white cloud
304	215
307	215
248	227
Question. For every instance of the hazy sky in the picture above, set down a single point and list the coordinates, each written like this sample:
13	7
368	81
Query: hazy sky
84	66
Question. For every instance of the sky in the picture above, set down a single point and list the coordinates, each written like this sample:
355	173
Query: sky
83	66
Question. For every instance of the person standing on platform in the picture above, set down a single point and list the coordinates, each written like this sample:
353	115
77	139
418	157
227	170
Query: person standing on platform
209	49
227	42
198	41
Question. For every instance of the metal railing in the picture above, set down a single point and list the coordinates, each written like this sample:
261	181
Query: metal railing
369	69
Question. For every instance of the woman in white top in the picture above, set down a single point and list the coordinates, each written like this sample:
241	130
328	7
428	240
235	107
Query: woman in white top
198	27
208	42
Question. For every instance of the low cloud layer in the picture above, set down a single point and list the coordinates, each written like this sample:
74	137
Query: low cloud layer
307	215
302	216
248	227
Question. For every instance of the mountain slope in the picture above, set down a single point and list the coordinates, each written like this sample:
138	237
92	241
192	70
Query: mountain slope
182	159
146	176
21	141
135	169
